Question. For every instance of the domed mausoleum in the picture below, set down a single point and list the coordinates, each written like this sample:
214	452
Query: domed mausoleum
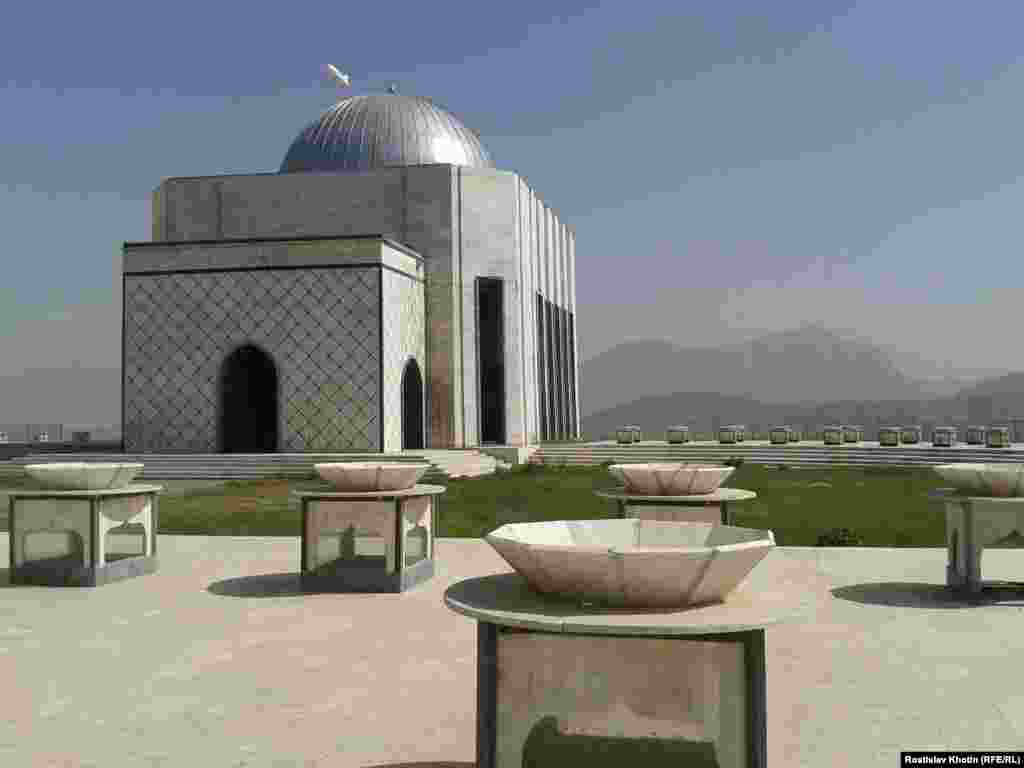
388	288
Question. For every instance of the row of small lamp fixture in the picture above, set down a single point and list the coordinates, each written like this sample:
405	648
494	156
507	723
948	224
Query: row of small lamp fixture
991	437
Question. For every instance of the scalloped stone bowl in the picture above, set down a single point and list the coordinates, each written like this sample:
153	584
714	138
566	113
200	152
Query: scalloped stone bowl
372	476
83	476
1003	480
632	563
670	479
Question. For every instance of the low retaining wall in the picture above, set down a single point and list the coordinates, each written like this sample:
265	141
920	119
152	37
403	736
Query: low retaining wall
794	454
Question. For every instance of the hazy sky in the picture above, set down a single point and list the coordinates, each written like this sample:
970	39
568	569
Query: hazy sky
735	168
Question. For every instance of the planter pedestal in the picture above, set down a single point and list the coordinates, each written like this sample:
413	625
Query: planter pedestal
699	508
71	538
369	541
975	436
564	684
973	523
997	437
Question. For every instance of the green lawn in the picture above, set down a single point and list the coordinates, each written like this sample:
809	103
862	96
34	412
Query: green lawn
881	506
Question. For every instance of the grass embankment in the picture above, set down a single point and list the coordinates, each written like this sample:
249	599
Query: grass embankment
883	507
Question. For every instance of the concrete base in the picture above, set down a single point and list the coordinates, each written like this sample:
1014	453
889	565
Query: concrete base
68	572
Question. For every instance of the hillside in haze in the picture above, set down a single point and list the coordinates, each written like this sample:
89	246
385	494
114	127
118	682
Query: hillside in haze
1010	384
70	396
806	365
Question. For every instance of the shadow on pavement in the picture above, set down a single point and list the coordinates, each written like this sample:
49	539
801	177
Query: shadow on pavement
901	594
262	585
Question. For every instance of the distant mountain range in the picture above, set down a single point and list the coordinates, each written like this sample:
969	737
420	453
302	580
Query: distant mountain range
61	396
810	364
806	377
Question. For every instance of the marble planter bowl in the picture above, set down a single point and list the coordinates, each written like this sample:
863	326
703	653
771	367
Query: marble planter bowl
975	436
910	435
670	479
632	563
734	433
372	476
678	434
997	437
889	436
1002	480
780	435
83	476
628	434
944	436
832	435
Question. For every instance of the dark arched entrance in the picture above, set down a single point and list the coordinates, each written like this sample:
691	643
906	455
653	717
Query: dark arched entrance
248	402
412	407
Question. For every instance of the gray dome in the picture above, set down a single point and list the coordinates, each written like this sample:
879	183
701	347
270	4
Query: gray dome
385	129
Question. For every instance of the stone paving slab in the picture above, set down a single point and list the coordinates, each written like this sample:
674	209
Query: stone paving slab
219	660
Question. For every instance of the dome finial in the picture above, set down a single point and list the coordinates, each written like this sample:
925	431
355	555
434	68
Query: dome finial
342	78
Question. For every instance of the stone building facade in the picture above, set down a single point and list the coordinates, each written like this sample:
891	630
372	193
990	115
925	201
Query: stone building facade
359	299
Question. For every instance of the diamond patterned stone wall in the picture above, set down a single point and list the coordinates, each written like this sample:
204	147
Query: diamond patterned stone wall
320	327
428	208
404	337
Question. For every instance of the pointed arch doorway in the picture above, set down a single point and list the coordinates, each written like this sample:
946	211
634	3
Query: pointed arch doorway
412	407
248	399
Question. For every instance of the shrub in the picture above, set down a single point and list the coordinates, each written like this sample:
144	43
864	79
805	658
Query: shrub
735	461
783	467
839	537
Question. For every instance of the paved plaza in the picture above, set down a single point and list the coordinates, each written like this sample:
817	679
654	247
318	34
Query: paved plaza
218	660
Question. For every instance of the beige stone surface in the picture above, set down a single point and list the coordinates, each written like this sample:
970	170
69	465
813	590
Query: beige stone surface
216	660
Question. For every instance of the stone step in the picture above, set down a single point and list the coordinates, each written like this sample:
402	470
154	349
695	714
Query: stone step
444	464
